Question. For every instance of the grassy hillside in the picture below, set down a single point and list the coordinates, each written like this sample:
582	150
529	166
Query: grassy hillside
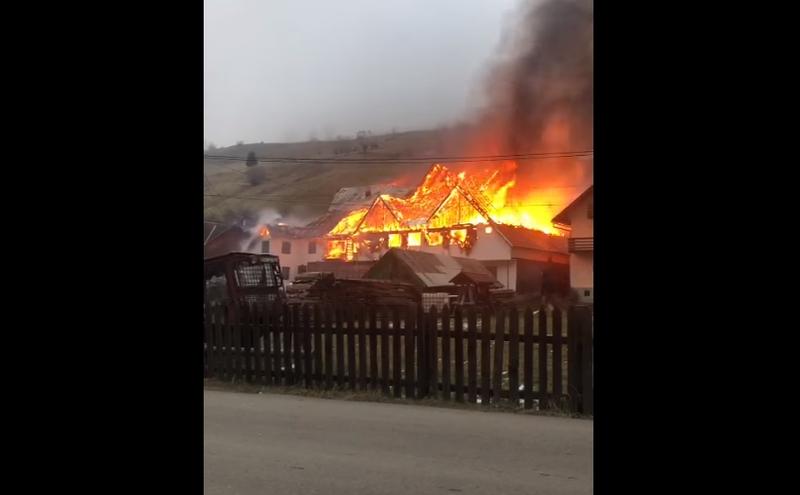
305	189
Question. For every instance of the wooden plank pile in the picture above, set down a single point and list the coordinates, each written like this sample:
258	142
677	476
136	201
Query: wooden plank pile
323	287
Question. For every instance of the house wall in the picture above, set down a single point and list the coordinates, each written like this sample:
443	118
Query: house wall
486	247
582	225
582	263
298	256
507	274
581	275
505	271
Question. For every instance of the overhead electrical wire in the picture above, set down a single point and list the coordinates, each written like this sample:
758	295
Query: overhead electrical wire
377	160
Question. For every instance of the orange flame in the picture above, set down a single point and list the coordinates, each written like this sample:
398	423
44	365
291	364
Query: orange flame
445	199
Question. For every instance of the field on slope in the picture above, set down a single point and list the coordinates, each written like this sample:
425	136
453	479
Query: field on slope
304	190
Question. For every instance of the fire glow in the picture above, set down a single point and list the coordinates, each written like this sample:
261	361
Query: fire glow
438	202
447	199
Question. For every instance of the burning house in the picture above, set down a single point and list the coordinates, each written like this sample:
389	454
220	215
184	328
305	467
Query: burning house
539	100
301	248
466	214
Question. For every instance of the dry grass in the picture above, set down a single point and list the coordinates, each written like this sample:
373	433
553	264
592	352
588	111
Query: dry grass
314	183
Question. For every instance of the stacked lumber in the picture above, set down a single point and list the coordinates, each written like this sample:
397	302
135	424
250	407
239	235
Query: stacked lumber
322	287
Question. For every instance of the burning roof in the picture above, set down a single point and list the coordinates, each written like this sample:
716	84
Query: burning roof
446	198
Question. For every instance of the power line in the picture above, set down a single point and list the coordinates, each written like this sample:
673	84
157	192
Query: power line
285	199
450	159
331	196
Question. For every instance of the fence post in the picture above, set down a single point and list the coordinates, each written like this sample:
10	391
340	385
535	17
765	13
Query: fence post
423	369
432	354
587	363
410	329
580	339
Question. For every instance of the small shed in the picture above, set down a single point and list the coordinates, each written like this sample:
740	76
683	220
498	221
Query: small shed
434	274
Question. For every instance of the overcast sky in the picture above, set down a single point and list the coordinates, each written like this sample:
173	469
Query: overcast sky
279	70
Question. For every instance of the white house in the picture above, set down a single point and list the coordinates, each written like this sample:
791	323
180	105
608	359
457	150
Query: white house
578	219
295	246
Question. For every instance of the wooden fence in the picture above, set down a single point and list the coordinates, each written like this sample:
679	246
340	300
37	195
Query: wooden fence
521	357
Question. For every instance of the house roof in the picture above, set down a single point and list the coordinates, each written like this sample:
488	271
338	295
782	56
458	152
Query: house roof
522	237
564	217
429	270
326	222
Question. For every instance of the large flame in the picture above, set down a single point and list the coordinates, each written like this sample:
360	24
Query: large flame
475	196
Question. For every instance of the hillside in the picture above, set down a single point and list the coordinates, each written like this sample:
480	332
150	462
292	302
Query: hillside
304	190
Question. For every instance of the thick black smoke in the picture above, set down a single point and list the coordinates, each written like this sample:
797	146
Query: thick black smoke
539	95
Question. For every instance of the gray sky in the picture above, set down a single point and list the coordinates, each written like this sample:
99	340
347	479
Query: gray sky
278	70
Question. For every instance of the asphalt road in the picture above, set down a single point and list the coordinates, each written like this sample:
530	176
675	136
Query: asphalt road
281	444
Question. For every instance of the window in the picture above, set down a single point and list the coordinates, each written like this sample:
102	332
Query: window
459	236
590	213
285	272
434	238
312	247
286	247
587	293
301	269
415	238
336	250
395	240
265	247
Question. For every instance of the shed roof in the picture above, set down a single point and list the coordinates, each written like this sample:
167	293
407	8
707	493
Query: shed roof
428	269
